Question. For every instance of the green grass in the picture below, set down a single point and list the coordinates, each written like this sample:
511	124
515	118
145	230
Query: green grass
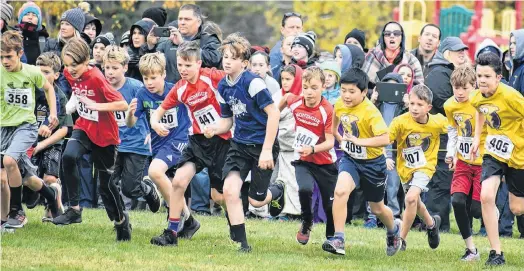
91	246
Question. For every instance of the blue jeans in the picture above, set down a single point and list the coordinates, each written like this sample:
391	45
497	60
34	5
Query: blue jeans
392	186
506	216
200	192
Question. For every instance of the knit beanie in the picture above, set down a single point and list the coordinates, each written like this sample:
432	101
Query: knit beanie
125	38
75	17
7	12
157	14
30	7
359	35
307	40
88	18
106	39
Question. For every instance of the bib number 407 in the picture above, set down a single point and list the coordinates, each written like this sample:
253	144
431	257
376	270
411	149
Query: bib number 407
412	157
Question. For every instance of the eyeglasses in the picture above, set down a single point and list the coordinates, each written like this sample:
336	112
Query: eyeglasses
396	33
290	14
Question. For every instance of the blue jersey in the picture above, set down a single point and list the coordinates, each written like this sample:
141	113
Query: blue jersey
132	139
246	99
175	119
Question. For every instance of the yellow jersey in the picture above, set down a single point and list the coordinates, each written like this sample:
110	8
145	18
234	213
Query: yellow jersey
504	114
417	144
362	121
462	117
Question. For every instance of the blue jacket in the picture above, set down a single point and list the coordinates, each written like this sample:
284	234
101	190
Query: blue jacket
517	72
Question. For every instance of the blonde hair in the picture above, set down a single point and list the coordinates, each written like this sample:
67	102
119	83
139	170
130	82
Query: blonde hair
463	75
313	72
77	49
237	45
152	63
12	41
49	59
116	54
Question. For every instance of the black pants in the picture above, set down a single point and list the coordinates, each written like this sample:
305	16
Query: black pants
438	199
326	178
104	161
129	169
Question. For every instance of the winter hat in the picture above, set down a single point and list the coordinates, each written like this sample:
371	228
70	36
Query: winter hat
359	35
92	19
106	39
30	7
125	38
7	12
307	40
157	14
393	76
75	17
332	66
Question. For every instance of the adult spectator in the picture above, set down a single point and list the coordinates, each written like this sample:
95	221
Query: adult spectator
6	13
291	26
188	27
390	51
428	43
356	37
516	53
34	33
157	14
138	46
452	53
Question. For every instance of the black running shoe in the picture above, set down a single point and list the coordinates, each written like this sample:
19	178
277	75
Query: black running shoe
495	259
244	248
433	233
54	206
277	205
152	199
32	199
404	245
167	238
123	231
191	226
69	217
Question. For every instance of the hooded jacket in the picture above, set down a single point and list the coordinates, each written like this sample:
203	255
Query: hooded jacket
92	19
396	70
286	126
376	59
352	56
517	72
487	43
145	27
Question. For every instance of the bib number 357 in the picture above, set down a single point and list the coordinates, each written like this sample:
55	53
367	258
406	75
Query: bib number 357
499	145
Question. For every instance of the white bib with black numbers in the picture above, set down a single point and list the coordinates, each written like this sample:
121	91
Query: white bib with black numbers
355	151
464	146
169	119
86	113
414	157
20	97
499	145
120	117
206	116
304	137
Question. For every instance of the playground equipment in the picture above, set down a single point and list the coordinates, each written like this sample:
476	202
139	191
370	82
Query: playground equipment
411	26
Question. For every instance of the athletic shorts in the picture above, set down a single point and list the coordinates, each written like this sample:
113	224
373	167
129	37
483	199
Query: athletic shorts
369	174
244	158
48	161
170	153
207	153
514	177
16	140
466	179
420	180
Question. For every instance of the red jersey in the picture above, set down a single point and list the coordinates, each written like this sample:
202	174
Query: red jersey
312	125
201	100
100	127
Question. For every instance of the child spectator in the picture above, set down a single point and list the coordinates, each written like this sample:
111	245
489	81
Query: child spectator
34	33
99	46
259	64
331	71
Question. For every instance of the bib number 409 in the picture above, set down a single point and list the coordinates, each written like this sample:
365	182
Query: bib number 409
352	148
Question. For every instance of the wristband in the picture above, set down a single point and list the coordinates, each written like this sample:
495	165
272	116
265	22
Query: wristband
313	149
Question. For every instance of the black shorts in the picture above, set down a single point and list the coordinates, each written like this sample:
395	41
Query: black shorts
48	161
325	176
514	177
244	158
207	153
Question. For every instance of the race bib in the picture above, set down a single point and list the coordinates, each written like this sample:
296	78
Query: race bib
355	151
85	112
303	137
120	117
40	117
499	145
464	146
20	97
414	157
206	116
169	119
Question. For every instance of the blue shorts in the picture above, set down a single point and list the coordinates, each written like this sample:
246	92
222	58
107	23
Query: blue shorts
370	175
170	153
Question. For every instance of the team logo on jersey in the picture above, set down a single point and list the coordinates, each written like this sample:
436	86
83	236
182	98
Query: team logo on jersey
350	124
237	106
492	117
419	139
463	121
25	85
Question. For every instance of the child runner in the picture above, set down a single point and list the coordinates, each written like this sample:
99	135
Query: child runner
253	147
166	147
417	136
363	164
95	132
134	149
197	90
501	107
466	178
313	144
18	125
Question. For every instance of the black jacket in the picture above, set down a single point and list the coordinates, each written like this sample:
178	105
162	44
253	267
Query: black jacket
421	59
145	27
34	43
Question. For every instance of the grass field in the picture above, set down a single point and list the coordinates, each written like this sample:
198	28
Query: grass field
91	246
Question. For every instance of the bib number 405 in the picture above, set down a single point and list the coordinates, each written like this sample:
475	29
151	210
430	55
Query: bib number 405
499	145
